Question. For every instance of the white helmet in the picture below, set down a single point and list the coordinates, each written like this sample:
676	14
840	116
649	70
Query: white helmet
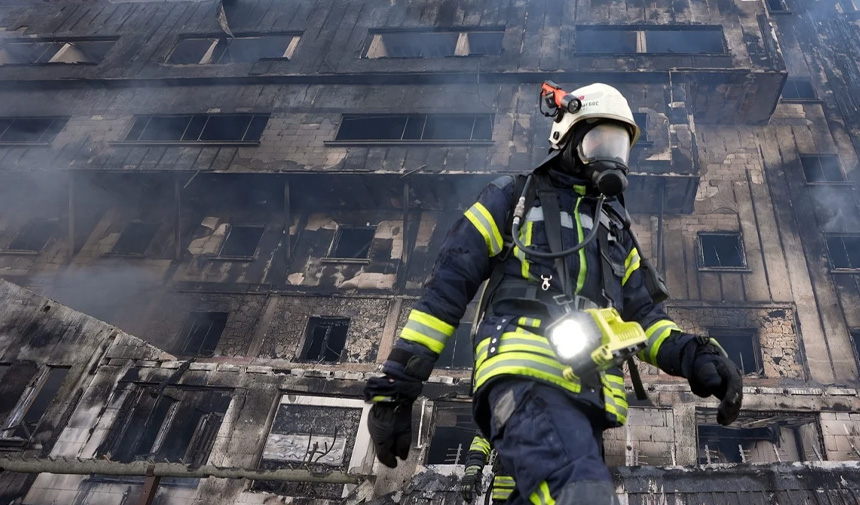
599	101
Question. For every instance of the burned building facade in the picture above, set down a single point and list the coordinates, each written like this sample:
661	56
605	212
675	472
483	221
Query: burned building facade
256	190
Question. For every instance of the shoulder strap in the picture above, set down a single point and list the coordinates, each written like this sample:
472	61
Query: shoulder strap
552	223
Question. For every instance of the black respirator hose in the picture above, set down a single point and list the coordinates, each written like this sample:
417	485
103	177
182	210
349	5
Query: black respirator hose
519	210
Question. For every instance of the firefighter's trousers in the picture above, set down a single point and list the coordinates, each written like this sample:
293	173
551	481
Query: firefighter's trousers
549	444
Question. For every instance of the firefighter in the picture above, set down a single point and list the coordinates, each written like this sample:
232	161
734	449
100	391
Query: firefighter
546	425
502	484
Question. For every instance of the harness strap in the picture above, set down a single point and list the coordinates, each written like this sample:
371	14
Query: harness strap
552	224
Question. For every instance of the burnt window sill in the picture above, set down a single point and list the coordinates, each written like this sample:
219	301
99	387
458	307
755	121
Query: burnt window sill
24	144
849	271
51	64
724	270
801	100
123	255
12	252
123	143
361	143
356	261
847	184
224	64
231	258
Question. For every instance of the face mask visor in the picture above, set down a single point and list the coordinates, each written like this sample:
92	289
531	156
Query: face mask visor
605	142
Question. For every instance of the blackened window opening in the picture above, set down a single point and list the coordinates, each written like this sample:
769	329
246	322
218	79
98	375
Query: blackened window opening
353	242
207	128
23	130
798	88
641	120
855	339
325	338
821	168
453	434
416	127
202	332
215	50
43	52
763	437
34	236
4	367
844	251
685	41
135	238
166	424
722	250
741	344
241	242
485	43
458	350
776	5
606	41
42	395
632	40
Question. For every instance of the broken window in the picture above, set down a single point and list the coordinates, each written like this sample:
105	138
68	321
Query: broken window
317	433
855	339
776	5
25	419
435	44
821	168
325	338
242	48
352	242
25	130
798	88
458	350
844	251
241	242
722	250
198	128
33	237
416	127
41	52
758	437
653	40
742	346
201	333
454	429
135	238
166	424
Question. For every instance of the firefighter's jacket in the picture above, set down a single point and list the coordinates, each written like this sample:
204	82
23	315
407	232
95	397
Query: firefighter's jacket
479	454
467	257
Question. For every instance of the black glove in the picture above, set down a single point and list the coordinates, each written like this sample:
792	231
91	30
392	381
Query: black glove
470	486
390	418
712	373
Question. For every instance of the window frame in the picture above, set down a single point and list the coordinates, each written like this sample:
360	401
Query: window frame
833	267
289	50
719	332
65	41
455	407
782	10
700	255
25	402
335	241
192	319
414	142
799	99
24	229
375	41
329	322
41	141
640	32
192	116
806	156
114	252
253	256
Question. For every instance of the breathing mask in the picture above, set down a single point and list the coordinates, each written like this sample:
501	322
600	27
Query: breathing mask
601	154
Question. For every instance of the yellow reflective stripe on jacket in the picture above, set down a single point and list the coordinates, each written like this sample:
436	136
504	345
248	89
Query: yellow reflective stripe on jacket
483	221
480	444
580	280
524	364
631	264
530	322
526	239
518	340
504	481
614	396
541	495
656	333
429	331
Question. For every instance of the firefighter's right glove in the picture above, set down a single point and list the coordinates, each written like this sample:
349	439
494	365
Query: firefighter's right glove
470	486
390	418
712	373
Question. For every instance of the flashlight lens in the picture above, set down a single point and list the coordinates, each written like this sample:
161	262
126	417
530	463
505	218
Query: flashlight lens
568	338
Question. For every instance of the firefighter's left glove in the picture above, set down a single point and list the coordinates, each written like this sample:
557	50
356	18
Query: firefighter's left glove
712	373
470	486
390	418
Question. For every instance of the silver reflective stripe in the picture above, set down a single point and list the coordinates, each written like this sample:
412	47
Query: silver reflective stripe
508	341
536	214
427	331
620	411
507	362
